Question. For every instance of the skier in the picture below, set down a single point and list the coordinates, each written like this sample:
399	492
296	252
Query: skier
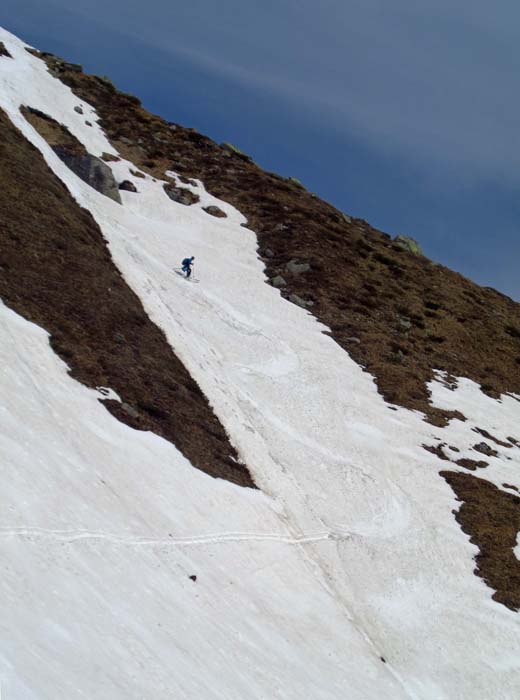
187	264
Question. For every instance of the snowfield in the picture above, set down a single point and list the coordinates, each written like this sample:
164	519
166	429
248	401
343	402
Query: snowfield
345	577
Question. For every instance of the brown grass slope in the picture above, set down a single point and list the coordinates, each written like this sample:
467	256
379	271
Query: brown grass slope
410	315
56	270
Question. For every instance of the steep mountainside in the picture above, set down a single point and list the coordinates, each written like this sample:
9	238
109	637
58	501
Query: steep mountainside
370	396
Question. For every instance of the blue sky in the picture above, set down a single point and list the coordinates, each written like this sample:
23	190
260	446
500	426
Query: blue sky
406	113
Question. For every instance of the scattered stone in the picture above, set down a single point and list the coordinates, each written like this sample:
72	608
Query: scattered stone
215	211
268	253
88	123
78	109
409	244
353	340
3	51
278	282
511	486
181	195
138	173
129	410
229	150
187	181
299	301
297	268
485	449
128	186
126	140
346	218
91	170
72	67
109	157
404	323
119	338
193	578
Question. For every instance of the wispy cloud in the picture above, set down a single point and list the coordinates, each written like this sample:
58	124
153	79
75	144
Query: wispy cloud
427	81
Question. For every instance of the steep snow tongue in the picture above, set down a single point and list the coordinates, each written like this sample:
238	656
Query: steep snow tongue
58	272
398	314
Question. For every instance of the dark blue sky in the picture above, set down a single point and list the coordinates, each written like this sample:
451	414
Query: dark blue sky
406	113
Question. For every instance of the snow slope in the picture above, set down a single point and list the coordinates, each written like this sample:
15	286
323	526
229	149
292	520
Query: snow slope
349	552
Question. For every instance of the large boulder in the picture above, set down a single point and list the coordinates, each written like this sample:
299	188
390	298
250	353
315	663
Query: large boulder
91	170
409	244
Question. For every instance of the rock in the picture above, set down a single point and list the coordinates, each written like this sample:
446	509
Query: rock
91	170
110	157
78	109
353	339
215	211
278	282
299	301
404	323
229	149
268	253
187	181
130	410
126	140
138	173
128	186
346	218
3	51
297	268
485	449
72	67
409	244
88	123
181	195
193	578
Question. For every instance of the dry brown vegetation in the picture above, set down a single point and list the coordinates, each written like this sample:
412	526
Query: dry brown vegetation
492	519
56	271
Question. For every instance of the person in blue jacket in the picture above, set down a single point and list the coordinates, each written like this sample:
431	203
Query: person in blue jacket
187	265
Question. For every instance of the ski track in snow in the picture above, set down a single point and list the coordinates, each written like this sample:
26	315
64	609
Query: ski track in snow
294	604
35	533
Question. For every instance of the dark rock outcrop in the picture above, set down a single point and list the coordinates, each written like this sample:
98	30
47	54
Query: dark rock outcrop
92	170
